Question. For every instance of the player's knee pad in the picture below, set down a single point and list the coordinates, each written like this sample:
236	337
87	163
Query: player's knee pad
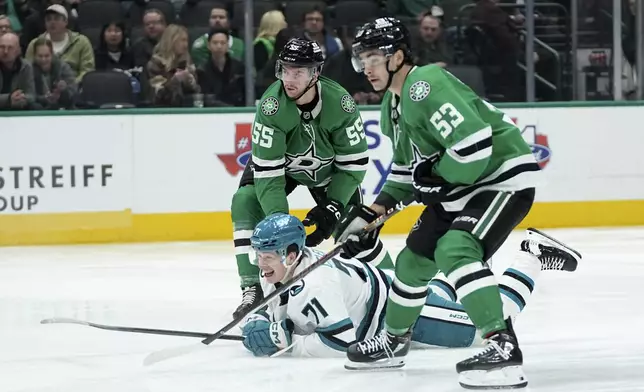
414	270
457	248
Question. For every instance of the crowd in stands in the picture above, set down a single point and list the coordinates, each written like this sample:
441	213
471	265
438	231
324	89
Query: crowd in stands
67	54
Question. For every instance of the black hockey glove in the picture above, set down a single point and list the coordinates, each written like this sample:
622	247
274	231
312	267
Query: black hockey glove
324	217
428	187
356	218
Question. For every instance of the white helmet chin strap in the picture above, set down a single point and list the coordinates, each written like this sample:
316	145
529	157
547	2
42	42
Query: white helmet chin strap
290	269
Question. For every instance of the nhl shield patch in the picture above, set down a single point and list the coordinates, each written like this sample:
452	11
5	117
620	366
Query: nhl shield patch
419	91
269	106
348	104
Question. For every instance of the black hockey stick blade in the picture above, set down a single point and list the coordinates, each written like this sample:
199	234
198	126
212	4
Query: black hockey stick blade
151	331
287	285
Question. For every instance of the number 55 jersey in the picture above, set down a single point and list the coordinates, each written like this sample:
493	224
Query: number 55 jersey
480	147
319	146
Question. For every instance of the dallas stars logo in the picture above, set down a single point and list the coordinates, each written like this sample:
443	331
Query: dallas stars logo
417	157
307	163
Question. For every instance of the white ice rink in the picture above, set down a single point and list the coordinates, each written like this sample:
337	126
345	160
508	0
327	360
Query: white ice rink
581	331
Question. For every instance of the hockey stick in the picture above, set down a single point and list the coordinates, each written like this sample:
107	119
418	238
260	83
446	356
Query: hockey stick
152	331
180	351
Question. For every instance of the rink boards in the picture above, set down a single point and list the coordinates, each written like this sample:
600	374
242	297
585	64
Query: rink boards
170	175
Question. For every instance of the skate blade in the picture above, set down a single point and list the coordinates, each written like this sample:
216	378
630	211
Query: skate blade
389	363
550	240
510	377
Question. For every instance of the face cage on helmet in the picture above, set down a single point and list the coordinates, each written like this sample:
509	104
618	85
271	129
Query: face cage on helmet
313	68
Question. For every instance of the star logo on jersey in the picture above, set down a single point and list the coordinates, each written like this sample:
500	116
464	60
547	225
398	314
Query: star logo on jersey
270	106
307	163
348	104
419	91
417	157
236	161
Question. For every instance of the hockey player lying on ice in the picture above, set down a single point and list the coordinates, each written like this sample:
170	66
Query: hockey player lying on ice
344	300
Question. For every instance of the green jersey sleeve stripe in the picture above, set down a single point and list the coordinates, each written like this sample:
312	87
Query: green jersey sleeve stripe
473	157
400	178
268	173
268	162
352	157
469	144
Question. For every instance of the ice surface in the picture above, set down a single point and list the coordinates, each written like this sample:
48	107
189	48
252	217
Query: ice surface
581	331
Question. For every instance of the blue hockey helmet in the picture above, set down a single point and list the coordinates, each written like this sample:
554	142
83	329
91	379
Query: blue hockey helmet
277	233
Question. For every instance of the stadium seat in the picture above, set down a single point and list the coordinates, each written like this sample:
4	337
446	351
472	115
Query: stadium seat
355	12
96	13
106	89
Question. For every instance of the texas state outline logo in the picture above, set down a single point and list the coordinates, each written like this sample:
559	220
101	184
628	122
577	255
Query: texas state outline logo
236	162
538	142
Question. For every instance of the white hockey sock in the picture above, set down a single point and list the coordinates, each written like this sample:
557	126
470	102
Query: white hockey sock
517	283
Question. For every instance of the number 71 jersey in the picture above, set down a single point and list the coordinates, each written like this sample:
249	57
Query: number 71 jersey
479	147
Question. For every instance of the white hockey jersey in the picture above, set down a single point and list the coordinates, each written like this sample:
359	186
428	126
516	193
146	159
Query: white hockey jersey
328	319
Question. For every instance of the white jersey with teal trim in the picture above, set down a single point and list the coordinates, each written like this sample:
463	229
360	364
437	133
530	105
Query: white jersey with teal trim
340	302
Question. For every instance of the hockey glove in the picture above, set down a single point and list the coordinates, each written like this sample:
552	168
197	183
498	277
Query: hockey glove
353	221
324	217
428	187
265	339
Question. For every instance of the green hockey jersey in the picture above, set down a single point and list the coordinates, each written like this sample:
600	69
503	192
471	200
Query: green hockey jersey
326	147
480	147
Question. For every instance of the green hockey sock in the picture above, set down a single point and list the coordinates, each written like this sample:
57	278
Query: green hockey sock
459	255
408	291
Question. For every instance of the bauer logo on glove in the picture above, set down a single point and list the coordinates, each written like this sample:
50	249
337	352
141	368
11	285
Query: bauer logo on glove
429	187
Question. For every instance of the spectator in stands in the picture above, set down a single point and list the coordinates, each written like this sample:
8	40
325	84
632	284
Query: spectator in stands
409	8
112	52
272	22
314	30
339	68
71	47
54	80
34	25
221	78
171	73
266	76
432	47
218	18
154	24
502	52
5	25
16	11
16	76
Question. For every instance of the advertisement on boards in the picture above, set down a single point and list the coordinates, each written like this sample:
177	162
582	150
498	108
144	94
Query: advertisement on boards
74	168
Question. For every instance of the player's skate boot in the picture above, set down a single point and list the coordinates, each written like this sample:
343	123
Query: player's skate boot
553	254
498	366
251	296
381	351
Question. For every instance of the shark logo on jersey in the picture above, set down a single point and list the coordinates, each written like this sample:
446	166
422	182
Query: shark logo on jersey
296	289
270	106
419	90
348	104
307	163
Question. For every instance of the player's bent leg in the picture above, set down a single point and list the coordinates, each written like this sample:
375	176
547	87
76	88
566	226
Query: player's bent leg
475	235
246	212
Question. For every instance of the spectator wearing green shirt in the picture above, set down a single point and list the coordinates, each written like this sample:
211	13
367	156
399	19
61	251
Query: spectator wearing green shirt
218	19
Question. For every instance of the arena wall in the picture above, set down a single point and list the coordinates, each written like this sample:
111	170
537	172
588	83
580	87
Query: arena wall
165	175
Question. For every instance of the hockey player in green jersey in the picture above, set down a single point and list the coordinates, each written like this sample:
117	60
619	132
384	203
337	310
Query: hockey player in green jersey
307	131
468	163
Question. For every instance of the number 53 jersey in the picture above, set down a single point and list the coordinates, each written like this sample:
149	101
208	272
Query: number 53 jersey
322	146
480	147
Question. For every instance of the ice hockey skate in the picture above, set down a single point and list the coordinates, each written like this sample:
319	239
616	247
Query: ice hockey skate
251	296
380	352
553	254
498	366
